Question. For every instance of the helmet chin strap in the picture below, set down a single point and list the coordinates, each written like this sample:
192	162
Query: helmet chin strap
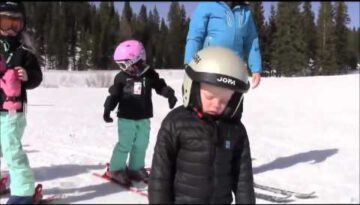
144	70
12	41
232	109
136	72
195	99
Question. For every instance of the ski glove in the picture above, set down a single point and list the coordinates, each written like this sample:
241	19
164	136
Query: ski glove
169	93
107	117
172	101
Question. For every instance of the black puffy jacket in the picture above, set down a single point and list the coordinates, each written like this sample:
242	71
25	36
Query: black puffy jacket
200	161
133	94
21	56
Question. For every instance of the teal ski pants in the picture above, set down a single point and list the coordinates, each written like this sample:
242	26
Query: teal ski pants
12	128
133	139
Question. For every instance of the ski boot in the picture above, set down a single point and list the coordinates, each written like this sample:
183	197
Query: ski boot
38	195
4	185
118	176
35	199
140	175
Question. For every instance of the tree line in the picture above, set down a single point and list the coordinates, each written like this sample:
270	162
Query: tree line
293	44
83	36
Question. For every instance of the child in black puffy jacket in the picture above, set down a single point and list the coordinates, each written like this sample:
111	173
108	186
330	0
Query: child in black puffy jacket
132	91
202	154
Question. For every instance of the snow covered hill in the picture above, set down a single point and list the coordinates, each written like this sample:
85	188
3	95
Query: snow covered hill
304	135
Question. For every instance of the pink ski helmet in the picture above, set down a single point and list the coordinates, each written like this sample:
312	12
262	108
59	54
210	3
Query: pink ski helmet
130	56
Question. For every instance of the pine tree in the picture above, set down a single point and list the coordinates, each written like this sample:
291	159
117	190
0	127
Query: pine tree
126	30
85	38
127	12
39	18
71	24
55	37
73	34
185	21
108	38
162	54
36	43
30	9
177	34
104	12
269	47
28	34
61	48
153	30
354	48
309	28
326	53
48	33
85	51
258	16
96	25
288	56
141	31
114	34
341	35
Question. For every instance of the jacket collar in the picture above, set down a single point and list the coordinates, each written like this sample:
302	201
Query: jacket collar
238	5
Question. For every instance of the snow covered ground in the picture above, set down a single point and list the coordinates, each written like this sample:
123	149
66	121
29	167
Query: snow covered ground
304	135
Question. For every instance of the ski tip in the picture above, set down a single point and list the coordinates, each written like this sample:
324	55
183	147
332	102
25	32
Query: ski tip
306	196
275	199
53	199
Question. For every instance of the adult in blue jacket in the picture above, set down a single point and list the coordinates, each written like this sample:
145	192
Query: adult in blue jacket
227	24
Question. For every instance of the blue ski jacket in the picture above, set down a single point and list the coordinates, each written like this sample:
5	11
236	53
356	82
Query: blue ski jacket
215	24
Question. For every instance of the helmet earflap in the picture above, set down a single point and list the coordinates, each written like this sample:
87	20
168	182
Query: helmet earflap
233	107
195	99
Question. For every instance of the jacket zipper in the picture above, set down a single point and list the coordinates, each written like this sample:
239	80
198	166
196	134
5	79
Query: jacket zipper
231	15
212	158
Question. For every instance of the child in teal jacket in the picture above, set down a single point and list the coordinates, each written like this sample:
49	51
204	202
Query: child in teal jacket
17	58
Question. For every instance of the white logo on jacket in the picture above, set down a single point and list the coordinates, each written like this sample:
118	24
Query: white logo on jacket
228	18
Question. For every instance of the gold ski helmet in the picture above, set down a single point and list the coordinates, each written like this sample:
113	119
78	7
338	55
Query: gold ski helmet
218	66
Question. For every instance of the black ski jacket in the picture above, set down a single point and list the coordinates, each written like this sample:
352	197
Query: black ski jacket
200	161
21	56
133	95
